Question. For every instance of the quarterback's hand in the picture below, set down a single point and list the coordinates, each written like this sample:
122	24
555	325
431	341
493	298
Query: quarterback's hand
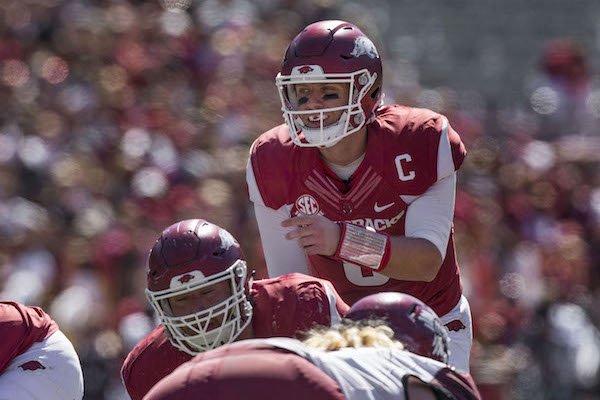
315	233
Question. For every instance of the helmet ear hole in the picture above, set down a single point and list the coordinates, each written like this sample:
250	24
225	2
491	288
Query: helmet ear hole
375	93
219	252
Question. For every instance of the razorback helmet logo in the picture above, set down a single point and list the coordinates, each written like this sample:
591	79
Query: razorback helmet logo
185	278
305	69
364	45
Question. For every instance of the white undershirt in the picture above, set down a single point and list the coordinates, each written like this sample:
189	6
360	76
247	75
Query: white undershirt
344	172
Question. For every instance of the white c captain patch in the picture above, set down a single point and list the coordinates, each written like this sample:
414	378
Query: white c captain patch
363	45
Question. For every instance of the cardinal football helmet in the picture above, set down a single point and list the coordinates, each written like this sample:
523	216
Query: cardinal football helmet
191	255
330	52
414	324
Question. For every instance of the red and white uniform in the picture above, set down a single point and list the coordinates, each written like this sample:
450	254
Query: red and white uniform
280	367
282	306
36	360
406	177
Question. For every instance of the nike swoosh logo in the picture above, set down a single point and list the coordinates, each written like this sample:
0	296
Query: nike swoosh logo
382	208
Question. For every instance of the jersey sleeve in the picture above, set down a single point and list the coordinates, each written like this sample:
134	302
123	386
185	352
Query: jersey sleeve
424	147
438	147
136	388
434	153
451	151
267	185
20	327
430	215
282	256
148	362
264	168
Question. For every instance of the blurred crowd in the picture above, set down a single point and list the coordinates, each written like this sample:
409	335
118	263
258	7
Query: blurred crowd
120	117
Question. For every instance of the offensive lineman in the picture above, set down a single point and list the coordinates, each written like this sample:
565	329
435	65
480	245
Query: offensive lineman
200	289
401	356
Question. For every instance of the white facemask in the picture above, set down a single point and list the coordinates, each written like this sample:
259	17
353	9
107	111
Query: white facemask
325	136
352	119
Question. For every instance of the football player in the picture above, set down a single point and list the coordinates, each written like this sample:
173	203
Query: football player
398	355
37	361
199	286
354	192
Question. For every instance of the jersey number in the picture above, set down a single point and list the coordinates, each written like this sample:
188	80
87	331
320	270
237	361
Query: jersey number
403	174
362	277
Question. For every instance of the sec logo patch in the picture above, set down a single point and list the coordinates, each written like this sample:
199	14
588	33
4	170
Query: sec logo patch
306	204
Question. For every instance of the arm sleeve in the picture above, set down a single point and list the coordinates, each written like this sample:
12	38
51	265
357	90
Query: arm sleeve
430	215
282	256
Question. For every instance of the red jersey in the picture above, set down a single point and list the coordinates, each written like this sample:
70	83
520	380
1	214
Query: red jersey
20	327
282	306
259	369
401	159
250	372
